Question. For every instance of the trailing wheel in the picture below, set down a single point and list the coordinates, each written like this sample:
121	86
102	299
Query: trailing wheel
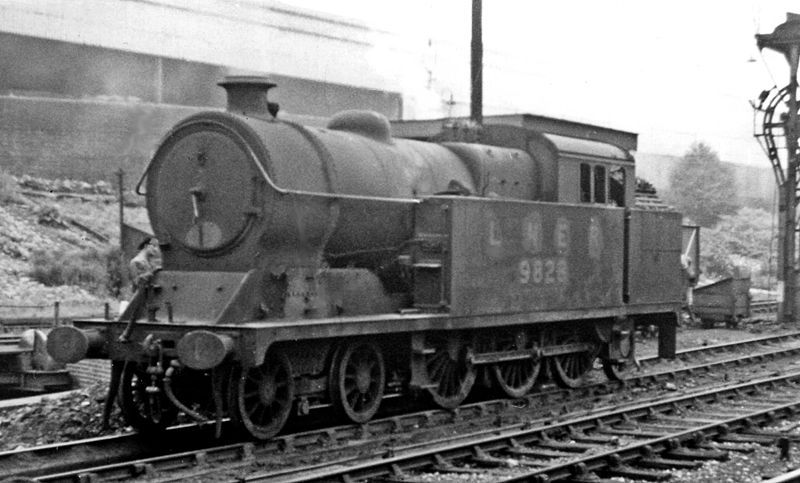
617	371
621	345
142	399
516	378
261	397
449	371
570	369
358	380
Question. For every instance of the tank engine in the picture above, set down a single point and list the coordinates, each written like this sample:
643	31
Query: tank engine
308	267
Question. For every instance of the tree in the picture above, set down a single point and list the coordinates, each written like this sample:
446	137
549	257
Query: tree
744	240
702	187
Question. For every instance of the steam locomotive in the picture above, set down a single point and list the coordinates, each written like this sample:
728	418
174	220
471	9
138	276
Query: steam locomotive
338	266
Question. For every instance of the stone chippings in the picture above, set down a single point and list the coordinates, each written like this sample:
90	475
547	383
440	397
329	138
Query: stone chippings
763	462
57	418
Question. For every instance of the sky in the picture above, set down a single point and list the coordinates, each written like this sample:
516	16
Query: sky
675	72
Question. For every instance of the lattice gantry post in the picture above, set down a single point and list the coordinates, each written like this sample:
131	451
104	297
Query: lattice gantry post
786	40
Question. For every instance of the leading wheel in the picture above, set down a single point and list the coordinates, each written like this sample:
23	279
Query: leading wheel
142	399
358	381
516	378
450	373
262	396
570	369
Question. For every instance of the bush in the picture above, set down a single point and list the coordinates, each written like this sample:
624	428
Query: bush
745	240
116	272
97	271
49	215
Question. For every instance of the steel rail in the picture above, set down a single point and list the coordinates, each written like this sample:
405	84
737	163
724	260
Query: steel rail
68	455
727	346
397	466
386	426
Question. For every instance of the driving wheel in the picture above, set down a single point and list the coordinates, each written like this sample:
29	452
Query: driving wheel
262	396
516	378
358	380
450	373
570	369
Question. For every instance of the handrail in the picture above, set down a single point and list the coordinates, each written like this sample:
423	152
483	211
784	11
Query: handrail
285	191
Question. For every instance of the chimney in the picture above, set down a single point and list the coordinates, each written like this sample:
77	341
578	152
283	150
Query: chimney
247	95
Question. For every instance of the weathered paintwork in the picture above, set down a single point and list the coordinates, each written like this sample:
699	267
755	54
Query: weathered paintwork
293	248
727	300
655	273
512	256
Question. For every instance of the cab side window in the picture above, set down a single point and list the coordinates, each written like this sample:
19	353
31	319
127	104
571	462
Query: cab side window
602	184
616	186
599	184
586	183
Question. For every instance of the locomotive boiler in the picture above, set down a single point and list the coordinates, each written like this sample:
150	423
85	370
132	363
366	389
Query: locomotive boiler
307	268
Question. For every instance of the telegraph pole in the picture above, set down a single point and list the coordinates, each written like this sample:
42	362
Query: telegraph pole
786	40
476	65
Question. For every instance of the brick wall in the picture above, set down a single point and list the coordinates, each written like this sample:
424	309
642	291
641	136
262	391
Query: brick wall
90	371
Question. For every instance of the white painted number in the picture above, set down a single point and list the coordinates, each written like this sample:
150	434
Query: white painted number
524	272
537	271
549	271
543	271
561	270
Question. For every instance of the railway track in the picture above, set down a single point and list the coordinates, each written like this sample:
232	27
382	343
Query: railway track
703	350
188	447
637	442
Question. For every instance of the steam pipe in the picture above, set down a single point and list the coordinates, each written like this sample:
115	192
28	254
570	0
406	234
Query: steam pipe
174	399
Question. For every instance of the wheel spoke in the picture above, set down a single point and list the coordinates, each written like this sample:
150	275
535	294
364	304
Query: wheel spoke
438	372
358	381
251	410
143	410
452	378
436	364
261	397
570	369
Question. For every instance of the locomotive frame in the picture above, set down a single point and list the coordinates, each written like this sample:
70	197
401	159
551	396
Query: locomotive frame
344	265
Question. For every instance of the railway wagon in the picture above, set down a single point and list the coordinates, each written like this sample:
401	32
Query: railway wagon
335	267
26	368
